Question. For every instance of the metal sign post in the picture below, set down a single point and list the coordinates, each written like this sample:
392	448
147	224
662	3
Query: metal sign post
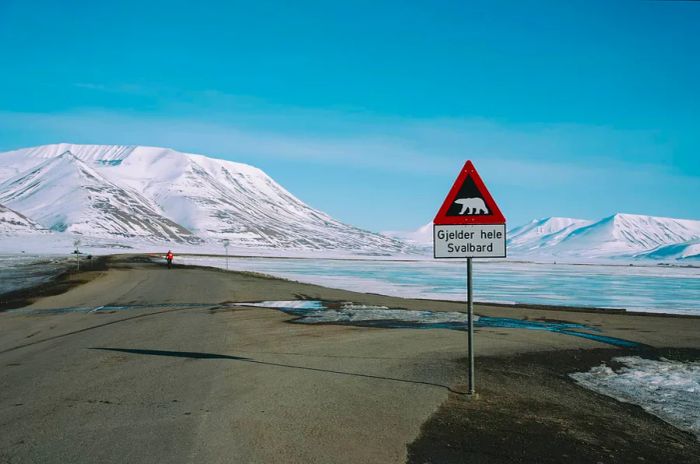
76	242
469	225
226	243
470	323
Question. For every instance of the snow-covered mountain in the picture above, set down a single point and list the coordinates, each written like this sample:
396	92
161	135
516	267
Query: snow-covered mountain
421	237
686	251
620	236
542	233
66	195
14	223
158	194
627	235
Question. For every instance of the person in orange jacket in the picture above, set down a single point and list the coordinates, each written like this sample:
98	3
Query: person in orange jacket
169	256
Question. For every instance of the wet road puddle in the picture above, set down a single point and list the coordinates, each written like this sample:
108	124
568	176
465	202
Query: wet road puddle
320	312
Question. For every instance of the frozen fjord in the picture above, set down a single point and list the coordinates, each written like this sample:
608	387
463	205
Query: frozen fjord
650	289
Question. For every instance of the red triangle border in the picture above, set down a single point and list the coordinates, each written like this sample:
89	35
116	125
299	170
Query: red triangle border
496	217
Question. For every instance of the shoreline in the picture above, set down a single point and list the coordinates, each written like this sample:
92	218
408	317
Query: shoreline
430	258
69	279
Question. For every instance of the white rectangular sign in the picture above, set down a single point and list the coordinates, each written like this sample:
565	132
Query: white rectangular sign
469	241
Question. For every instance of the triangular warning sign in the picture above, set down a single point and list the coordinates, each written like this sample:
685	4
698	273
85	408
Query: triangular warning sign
469	201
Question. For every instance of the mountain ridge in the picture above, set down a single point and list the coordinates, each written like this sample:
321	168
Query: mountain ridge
13	223
155	193
64	194
618	236
628	235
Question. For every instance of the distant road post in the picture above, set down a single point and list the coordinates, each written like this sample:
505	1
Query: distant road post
226	243
76	243
469	225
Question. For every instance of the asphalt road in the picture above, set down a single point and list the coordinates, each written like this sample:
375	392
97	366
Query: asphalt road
184	376
200	384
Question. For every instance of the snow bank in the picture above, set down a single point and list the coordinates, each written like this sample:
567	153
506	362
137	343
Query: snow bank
668	389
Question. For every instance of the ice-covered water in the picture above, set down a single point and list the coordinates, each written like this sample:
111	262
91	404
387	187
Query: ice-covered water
665	388
635	288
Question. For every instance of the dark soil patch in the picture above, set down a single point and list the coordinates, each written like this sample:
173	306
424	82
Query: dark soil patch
59	284
529	411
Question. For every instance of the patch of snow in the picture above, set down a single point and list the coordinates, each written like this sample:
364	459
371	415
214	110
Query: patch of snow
288	304
668	389
316	312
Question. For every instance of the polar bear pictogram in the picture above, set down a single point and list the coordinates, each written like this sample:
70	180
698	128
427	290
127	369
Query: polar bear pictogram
472	206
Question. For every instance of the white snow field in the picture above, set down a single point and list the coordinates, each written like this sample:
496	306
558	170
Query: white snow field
668	389
637	288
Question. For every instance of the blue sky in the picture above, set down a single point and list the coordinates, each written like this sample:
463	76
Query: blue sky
578	109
